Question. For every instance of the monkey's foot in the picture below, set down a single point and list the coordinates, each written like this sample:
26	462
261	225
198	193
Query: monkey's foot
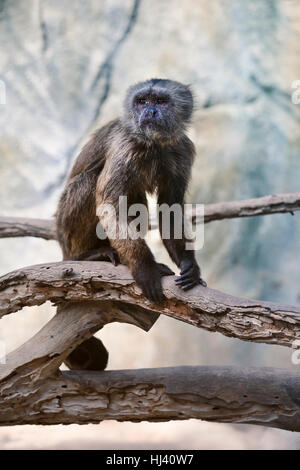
165	270
148	278
106	253
189	275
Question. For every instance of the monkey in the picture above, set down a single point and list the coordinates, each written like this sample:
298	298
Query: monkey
146	150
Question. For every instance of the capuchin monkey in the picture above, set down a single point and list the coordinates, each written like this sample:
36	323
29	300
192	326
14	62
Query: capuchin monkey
144	151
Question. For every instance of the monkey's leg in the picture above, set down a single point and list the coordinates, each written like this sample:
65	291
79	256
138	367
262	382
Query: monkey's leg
133	251
190	274
105	253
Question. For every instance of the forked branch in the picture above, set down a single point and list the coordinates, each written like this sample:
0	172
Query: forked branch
34	391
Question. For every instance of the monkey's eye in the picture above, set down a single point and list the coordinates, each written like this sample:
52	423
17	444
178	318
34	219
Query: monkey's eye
162	100
141	100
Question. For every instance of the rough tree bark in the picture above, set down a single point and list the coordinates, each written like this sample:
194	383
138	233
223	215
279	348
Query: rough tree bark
263	396
26	227
33	390
72	281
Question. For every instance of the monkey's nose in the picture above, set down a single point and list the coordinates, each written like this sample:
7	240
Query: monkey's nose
151	112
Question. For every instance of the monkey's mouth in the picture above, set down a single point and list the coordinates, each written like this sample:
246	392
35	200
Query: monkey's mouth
150	124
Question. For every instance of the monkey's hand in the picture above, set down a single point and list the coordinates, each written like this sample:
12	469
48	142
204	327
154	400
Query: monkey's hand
189	275
148	278
105	253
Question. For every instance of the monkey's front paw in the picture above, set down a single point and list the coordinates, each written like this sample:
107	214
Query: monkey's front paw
149	280
189	275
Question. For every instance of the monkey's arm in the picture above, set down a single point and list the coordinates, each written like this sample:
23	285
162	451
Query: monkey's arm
177	247
113	184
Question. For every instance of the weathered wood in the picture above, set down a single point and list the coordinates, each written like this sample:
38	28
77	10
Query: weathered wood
41	355
71	281
263	396
34	391
27	227
280	203
274	204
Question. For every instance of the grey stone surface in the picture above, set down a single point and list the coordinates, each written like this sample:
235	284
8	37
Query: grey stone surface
66	66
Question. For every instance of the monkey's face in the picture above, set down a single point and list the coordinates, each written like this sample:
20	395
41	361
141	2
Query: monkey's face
151	109
158	109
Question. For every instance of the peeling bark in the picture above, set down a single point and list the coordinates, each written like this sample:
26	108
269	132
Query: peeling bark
72	281
34	391
262	396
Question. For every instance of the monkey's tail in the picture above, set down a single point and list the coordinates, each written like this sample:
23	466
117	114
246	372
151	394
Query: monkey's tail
91	354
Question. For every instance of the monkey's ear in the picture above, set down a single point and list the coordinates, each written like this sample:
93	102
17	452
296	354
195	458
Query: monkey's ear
197	99
190	90
189	87
185	97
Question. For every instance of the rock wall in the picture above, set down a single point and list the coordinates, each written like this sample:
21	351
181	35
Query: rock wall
66	66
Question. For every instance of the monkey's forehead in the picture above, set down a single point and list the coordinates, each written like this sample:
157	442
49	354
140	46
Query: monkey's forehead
157	86
151	91
148	89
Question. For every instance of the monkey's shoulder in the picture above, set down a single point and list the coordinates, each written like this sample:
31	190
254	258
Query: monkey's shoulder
186	147
102	135
92	157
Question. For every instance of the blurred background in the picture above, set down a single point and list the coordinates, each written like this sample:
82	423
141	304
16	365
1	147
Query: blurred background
66	66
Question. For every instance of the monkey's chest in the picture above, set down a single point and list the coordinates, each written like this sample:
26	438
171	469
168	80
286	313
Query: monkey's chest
148	179
153	174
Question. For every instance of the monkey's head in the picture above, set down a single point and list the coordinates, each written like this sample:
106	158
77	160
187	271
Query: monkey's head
158	109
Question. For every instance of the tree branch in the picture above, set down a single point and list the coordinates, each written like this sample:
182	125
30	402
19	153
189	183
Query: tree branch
71	281
34	391
281	203
262	396
274	204
27	227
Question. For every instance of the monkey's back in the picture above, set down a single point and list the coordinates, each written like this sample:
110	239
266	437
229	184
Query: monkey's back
76	219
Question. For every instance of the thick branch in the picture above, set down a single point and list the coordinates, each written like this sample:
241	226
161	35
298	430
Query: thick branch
34	391
281	203
263	396
42	355
71	281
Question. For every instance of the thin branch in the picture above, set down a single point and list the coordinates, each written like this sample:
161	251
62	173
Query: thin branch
281	203
275	204
26	227
71	281
261	396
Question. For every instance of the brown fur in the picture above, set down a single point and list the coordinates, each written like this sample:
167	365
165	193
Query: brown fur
123	159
